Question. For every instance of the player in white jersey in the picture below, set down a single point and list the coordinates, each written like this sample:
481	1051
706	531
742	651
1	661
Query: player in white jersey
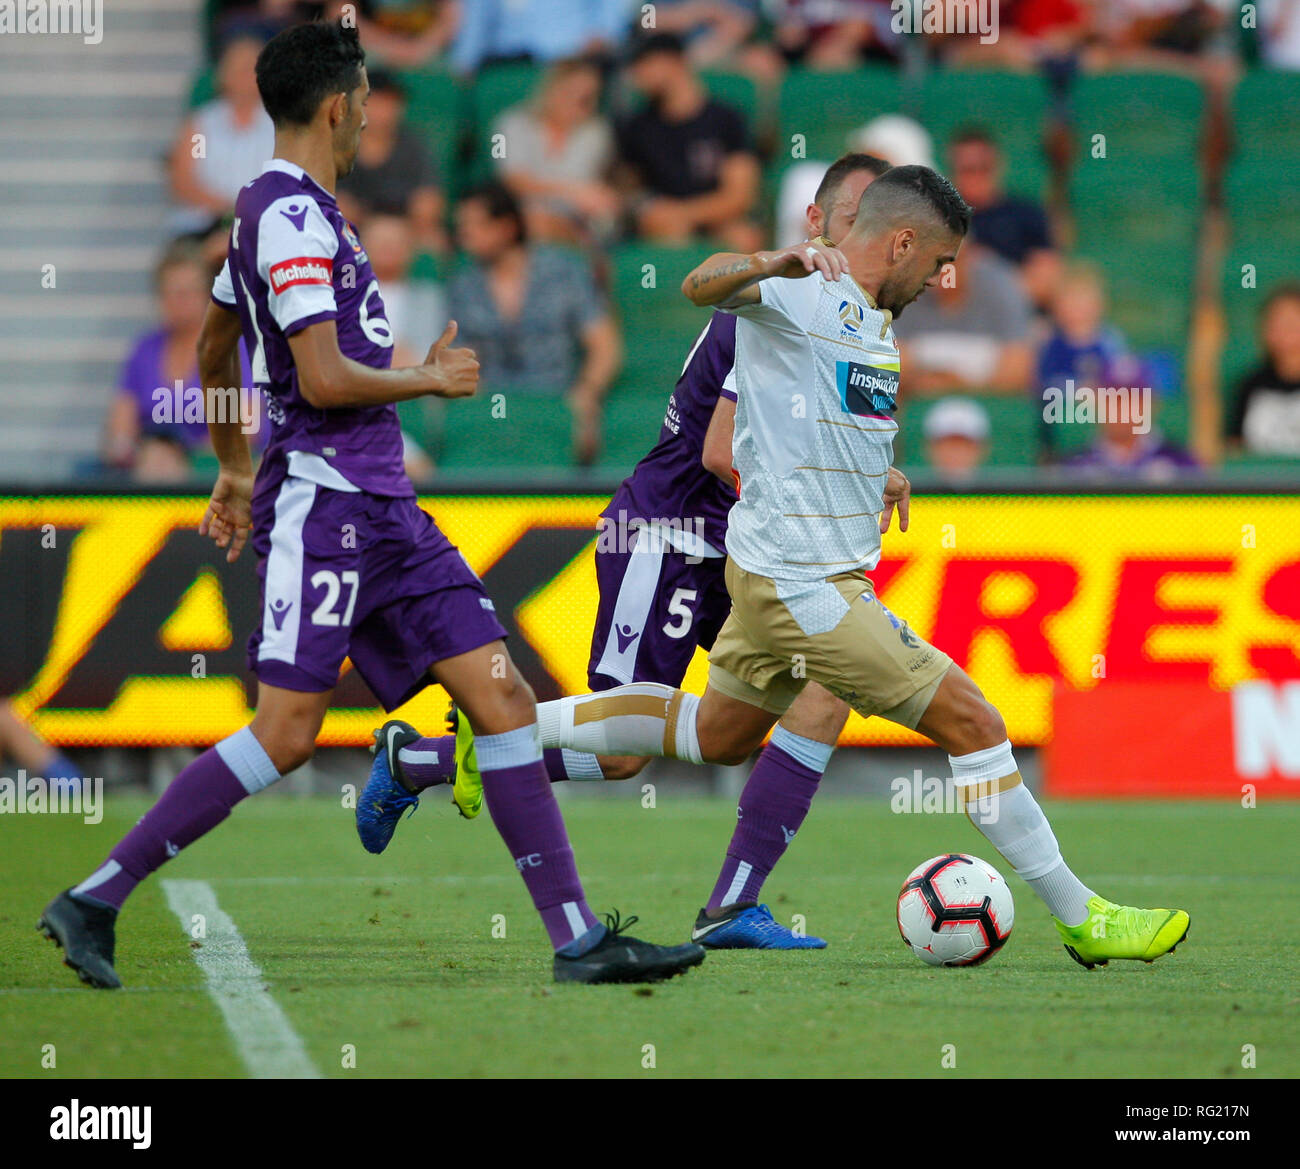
817	377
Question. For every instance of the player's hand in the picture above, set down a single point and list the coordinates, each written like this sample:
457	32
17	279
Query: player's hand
898	491
229	517
455	371
803	260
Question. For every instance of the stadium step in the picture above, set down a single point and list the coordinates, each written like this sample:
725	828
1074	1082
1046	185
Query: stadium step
84	141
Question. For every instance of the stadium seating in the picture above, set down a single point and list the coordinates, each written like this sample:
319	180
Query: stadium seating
950	100
1151	120
1266	117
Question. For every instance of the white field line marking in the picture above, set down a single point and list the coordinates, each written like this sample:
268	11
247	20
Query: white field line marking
264	1038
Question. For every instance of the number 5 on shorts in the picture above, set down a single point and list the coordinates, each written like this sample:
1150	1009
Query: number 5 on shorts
678	607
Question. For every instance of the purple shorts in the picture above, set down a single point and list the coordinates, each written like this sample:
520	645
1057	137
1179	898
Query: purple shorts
656	605
349	574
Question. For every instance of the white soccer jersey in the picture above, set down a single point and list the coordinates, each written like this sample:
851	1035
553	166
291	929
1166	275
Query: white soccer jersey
817	379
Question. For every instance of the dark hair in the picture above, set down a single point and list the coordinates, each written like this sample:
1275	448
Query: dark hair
1287	290
972	133
840	170
903	189
302	66
500	203
658	42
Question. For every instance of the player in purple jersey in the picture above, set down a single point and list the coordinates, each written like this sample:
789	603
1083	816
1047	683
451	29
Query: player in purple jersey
349	565
659	568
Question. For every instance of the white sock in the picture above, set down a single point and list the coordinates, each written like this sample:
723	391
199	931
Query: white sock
581	766
1002	808
643	718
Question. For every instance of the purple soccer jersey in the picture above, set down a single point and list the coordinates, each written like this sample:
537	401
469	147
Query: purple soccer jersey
670	483
348	563
294	261
662	591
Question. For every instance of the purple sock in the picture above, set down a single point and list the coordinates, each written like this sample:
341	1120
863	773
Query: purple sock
427	762
519	800
197	800
562	763
773	805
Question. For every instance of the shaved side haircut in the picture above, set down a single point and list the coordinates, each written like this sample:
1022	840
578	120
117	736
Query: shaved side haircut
908	196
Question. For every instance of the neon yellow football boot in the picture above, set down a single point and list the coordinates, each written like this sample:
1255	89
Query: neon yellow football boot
1122	931
467	787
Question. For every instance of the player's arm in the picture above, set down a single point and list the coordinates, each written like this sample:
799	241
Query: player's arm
602	356
330	381
229	514
729	279
736	193
716	456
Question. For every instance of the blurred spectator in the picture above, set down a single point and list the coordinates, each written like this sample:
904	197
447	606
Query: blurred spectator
956	434
971	331
405	34
1279	33
1265	415
897	139
689	155
714	30
1016	228
394	174
532	314
1081	346
1157	32
537	30
559	151
1120	451
139	437
1031	33
22	745
260	18
416	309
223	144
832	34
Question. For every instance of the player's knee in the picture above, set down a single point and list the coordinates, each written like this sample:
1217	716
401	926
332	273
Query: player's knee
979	725
618	767
287	747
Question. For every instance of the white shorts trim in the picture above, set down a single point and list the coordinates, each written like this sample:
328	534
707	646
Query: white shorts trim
636	595
283	595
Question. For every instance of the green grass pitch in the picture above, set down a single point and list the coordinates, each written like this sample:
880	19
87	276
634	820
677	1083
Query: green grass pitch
394	956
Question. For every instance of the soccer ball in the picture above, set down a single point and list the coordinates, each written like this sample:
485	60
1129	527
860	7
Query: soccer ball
955	910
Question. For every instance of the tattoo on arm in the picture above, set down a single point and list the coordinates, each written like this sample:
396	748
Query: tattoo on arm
699	279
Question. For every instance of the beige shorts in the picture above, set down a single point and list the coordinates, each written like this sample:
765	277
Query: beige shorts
781	635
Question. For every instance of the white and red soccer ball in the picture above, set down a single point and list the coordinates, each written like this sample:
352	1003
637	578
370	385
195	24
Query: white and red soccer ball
955	910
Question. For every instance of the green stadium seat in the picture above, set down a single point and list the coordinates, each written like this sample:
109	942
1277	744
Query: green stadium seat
535	432
1242	306
1013	106
1116	203
1266	116
1263	211
633	419
825	108
494	90
435	110
204	87
1149	119
659	324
